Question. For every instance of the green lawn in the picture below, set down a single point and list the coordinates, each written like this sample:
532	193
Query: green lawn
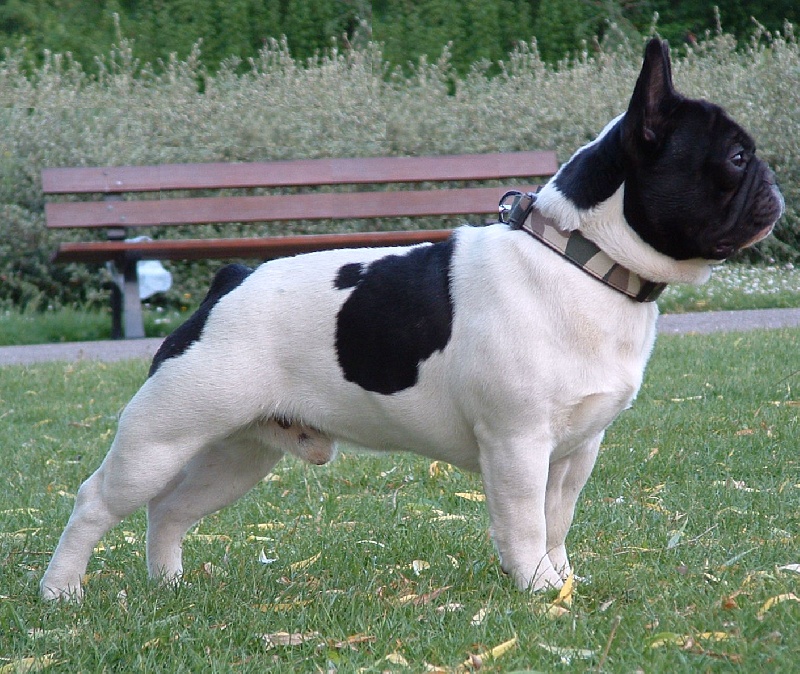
737	286
74	325
377	564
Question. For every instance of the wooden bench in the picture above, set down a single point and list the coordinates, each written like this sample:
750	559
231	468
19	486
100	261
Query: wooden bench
121	199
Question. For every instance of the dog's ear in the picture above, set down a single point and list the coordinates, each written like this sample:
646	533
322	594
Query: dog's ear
653	97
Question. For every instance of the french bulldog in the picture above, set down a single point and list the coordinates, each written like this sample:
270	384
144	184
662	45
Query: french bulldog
493	350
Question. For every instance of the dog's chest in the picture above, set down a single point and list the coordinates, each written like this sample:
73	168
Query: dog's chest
544	343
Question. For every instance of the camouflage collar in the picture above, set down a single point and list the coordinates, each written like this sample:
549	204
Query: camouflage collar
575	247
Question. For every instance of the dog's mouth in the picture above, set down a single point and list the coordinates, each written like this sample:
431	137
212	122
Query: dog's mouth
760	236
763	213
725	248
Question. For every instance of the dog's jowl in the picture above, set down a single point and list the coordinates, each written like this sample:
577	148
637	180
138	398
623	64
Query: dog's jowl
506	350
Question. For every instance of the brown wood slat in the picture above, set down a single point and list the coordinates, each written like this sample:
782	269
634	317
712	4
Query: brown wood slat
116	179
339	206
261	248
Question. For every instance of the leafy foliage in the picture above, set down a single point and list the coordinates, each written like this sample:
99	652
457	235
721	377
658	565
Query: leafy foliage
341	103
477	29
228	28
410	30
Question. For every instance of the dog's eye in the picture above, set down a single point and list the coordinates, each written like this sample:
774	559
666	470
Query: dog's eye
738	157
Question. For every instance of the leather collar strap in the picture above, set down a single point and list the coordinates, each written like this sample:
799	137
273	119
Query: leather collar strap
575	247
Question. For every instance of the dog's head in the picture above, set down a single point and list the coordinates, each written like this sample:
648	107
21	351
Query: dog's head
685	175
694	185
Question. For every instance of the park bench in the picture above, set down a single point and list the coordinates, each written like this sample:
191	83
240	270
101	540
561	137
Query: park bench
120	199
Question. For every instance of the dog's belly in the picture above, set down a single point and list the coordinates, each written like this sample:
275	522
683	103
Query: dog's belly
424	419
438	430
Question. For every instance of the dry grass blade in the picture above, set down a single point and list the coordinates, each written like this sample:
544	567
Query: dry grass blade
277	639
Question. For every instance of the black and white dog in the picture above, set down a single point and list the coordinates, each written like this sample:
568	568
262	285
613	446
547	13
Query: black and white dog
492	351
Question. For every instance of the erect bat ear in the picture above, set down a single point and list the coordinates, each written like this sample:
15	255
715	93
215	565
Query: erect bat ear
653	97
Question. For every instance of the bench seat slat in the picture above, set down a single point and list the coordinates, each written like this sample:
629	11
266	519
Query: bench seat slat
312	172
261	248
336	206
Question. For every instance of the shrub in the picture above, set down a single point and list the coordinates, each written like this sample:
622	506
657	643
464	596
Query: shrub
342	103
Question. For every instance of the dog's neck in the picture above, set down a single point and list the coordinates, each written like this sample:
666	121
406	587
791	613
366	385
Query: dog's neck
587	194
580	251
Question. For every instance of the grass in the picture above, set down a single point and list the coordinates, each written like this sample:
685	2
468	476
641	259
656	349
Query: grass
74	325
731	287
737	286
373	561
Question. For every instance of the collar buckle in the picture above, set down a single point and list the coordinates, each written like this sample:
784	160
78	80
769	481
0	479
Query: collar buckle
515	206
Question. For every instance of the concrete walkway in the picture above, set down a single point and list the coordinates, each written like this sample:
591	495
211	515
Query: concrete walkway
728	321
111	350
697	323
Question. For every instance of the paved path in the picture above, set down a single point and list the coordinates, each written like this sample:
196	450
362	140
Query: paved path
728	321
702	323
118	349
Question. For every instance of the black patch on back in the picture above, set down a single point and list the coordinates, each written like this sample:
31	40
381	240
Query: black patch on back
225	280
399	313
348	276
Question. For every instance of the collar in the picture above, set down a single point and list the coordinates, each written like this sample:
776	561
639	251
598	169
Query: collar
521	214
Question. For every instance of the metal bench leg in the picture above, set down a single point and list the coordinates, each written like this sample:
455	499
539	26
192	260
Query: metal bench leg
126	308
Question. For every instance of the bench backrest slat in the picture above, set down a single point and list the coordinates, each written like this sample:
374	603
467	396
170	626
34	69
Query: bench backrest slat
336	206
311	172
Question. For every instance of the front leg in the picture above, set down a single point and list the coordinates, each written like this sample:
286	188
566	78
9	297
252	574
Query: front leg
566	479
515	475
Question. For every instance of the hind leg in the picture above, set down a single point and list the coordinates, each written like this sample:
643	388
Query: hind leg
115	490
93	515
219	476
164	427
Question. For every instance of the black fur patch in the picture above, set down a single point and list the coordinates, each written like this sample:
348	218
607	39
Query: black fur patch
399	313
595	173
348	276
225	280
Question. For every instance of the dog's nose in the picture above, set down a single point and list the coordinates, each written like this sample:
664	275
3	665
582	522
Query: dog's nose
782	202
777	202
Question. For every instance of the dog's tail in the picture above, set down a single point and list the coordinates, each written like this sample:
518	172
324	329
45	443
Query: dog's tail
225	280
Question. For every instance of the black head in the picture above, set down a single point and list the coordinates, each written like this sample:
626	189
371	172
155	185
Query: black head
694	187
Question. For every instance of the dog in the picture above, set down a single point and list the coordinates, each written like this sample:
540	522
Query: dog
497	350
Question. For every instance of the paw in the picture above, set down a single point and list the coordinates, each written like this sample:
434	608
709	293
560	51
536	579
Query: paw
165	575
560	562
543	578
51	591
548	579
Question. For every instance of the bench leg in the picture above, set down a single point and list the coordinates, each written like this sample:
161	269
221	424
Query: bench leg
116	305
126	307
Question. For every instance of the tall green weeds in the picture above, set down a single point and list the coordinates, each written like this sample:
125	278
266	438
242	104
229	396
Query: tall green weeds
341	103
